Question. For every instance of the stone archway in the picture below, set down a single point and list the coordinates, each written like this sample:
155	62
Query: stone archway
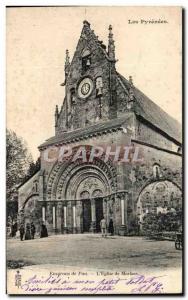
158	197
31	211
87	188
80	175
84	195
61	173
97	193
73	185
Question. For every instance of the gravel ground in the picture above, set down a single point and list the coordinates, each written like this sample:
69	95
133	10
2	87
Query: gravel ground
93	251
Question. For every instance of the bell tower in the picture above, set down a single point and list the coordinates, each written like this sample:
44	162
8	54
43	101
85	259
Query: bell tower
89	83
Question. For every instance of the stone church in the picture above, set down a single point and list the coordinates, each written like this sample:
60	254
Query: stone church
102	107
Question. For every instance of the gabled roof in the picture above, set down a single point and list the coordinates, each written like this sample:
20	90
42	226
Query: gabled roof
143	107
90	34
99	128
152	113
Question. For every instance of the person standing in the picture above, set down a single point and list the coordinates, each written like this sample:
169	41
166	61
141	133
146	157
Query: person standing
44	231
14	228
111	227
28	232
32	231
103	227
22	232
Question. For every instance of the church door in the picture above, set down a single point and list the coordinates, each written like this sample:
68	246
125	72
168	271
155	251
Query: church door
86	215
99	213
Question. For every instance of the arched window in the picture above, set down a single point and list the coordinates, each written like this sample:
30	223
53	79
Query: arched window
86	60
86	53
99	83
99	86
156	171
73	98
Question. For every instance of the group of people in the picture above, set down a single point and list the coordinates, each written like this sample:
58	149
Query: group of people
28	232
103	225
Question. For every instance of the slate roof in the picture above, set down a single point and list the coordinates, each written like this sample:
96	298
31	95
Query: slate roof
151	112
83	132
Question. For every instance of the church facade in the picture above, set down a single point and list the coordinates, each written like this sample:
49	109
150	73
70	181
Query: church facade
102	109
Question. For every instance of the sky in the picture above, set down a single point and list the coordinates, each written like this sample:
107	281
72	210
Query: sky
36	41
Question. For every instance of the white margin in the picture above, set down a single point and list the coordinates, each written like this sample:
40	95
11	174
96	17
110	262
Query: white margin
3	4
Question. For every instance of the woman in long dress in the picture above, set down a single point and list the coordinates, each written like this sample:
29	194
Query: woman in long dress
28	232
111	227
44	231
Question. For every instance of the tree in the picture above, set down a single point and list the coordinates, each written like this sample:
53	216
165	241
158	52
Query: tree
33	168
155	223
18	160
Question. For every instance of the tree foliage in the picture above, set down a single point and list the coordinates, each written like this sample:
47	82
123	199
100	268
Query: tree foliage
18	161
33	168
171	221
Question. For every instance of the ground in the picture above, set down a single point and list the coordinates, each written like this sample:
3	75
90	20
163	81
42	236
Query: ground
93	251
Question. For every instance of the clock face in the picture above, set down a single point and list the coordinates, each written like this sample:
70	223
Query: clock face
85	88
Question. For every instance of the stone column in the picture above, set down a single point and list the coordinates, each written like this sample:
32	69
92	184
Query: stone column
111	206
59	217
43	214
105	209
74	216
93	216
122	212
49	219
64	217
123	204
79	216
54	218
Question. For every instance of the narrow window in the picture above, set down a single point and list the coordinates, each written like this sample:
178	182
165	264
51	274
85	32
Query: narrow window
99	86
73	98
156	171
86	60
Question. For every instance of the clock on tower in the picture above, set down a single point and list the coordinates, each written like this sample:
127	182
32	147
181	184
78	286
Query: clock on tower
85	88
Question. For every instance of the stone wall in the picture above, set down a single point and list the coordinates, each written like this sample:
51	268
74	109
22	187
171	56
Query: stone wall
28	189
33	212
148	135
137	177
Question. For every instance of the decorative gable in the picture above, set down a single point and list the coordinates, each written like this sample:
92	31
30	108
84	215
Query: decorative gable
88	83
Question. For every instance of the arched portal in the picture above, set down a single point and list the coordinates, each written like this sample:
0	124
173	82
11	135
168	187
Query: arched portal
159	197
76	193
87	186
32	212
